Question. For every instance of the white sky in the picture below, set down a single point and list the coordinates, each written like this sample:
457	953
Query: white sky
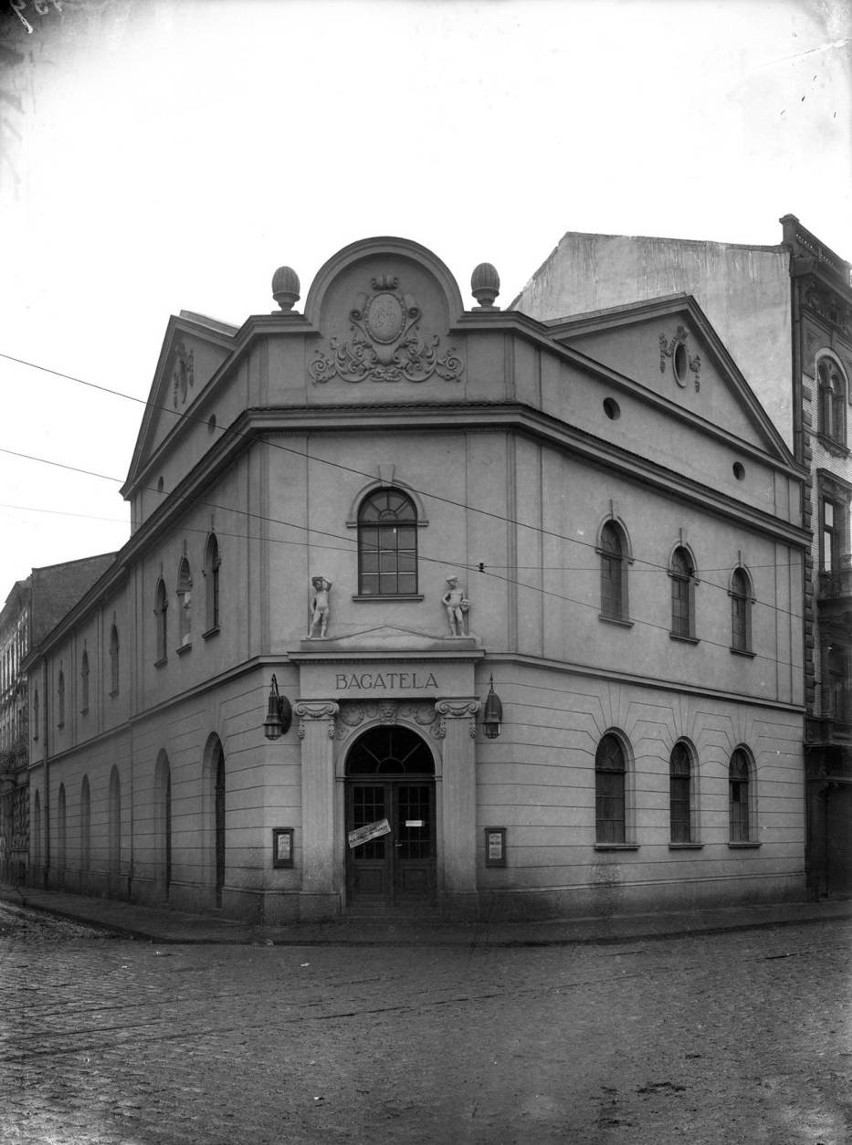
160	155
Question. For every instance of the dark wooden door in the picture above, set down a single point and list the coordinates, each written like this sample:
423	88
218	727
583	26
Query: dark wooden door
398	868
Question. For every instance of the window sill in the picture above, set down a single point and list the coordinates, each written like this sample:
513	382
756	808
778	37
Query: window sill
214	631
159	663
389	596
684	639
838	448
743	846
686	846
617	620
749	655
184	648
616	846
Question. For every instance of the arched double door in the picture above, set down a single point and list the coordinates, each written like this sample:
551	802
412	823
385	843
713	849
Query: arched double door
390	774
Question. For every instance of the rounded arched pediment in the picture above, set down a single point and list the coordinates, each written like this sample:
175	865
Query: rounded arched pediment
384	307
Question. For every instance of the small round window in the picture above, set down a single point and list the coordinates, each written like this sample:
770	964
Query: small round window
612	409
739	470
680	361
211	423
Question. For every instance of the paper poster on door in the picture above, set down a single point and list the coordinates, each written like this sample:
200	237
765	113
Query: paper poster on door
369	831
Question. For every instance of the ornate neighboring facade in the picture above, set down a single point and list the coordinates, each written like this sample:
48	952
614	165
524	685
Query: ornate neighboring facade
785	313
427	607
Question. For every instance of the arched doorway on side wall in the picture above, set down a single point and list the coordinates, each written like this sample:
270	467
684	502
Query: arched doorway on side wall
163	825
390	775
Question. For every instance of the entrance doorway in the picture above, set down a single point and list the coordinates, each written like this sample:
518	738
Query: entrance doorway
390	774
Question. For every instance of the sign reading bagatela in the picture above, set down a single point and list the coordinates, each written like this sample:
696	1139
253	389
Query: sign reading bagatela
368	681
369	831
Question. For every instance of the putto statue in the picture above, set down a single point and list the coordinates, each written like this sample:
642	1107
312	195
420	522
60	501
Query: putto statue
456	604
320	607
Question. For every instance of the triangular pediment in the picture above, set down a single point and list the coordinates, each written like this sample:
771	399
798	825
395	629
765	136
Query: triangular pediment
668	348
193	351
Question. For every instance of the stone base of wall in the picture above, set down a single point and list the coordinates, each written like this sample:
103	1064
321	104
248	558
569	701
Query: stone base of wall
612	900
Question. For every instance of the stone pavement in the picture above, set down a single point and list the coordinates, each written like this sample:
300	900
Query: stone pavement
163	925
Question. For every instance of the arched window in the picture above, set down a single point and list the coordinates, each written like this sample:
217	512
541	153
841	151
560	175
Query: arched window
36	831
740	797
387	544
680	794
184	594
35	714
61	829
831	388
741	596
60	698
610	791
613	554
211	575
85	826
160	608
84	683
682	576
114	838
114	677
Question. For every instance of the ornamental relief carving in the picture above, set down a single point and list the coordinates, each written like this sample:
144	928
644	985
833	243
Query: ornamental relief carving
385	343
183	374
830	307
682	362
354	713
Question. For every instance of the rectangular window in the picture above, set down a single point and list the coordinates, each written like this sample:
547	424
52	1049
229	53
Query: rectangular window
830	544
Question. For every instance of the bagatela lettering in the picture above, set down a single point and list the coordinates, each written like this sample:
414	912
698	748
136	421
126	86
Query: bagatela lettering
369	681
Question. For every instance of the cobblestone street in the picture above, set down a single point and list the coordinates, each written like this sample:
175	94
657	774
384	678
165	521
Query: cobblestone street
739	1037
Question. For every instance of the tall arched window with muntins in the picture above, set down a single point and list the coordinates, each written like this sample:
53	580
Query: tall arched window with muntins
613	554
114	676
741	597
740	797
387	544
831	389
211	577
35	714
184	595
680	794
161	604
682	574
610	791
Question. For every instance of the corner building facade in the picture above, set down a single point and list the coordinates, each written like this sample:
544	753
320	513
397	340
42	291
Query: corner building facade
403	510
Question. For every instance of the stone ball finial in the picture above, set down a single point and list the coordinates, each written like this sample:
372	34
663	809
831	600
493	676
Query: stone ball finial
485	285
285	287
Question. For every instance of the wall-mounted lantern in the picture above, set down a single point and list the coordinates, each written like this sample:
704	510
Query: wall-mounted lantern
280	714
492	716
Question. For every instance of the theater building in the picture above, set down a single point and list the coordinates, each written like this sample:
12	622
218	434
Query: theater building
428	608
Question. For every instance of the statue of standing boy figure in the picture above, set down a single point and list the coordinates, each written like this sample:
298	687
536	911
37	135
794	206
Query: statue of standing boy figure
456	604
320	608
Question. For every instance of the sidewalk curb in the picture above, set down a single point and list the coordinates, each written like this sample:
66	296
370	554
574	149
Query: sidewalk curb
174	928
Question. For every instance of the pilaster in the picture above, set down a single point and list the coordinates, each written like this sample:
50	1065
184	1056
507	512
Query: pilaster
320	897
458	795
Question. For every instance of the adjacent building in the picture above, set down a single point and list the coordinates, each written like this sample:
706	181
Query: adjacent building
31	610
785	314
428	607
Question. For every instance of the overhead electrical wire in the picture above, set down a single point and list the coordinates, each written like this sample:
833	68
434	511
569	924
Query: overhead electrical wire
474	566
